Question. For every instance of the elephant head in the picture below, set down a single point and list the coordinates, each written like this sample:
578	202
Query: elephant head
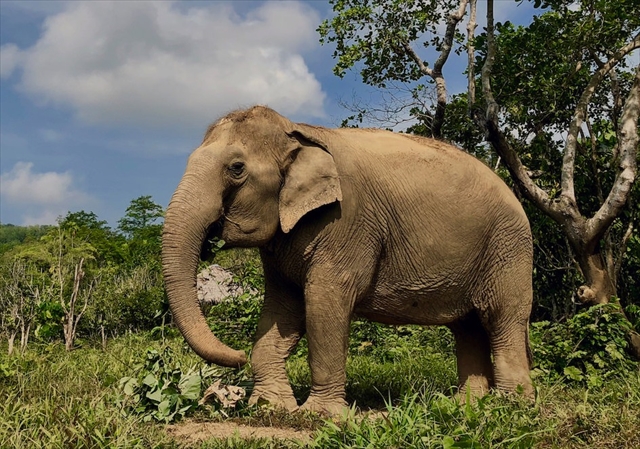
254	175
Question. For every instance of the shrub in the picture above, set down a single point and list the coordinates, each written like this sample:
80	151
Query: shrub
235	322
160	390
589	347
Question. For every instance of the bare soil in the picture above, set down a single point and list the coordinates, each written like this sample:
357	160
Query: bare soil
196	432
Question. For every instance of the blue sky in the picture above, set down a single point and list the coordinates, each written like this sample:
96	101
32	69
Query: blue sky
101	102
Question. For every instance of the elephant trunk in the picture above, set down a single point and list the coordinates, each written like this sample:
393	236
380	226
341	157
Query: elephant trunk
189	215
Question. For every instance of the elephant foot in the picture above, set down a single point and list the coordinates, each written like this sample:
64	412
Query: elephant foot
474	387
326	407
282	400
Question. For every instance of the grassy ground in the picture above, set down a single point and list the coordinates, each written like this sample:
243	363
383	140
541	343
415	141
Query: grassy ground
55	399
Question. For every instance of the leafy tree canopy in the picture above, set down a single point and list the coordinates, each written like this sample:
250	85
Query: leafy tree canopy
142	215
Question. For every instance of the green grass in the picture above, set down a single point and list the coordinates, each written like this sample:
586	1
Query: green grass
55	399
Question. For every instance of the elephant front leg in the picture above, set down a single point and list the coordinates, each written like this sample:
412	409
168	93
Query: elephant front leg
280	327
328	315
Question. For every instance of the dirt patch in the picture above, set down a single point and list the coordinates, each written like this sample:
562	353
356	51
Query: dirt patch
196	432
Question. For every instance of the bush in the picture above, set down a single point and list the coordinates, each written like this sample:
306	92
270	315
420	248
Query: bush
587	348
160	390
235	322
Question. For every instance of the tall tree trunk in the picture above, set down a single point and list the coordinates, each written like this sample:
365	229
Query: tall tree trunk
599	287
24	337
71	317
103	337
11	339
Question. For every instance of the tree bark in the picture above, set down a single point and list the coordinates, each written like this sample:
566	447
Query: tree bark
471	74
11	339
71	318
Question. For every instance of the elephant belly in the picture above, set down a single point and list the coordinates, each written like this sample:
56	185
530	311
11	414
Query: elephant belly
414	305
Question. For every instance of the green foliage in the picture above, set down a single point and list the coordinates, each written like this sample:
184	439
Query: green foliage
58	399
130	299
143	230
55	398
141	218
122	272
160	389
235	322
433	420
588	348
385	342
629	279
86	227
12	235
555	277
49	321
370	34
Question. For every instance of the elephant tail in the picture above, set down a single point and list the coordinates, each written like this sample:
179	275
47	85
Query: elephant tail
529	351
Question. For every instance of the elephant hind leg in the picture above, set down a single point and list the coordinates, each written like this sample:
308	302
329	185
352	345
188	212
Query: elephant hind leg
473	353
511	364
507	325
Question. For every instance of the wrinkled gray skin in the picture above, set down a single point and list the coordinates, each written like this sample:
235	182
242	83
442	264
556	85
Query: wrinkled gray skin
394	228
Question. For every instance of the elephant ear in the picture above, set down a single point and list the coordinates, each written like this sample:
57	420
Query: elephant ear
311	181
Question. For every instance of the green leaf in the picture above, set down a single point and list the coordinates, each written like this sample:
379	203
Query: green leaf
573	373
155	395
189	386
150	380
130	386
448	442
164	408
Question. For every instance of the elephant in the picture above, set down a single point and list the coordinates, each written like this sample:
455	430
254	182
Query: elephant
392	227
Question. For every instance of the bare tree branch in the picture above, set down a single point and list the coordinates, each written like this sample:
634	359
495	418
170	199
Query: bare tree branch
492	105
517	170
436	72
394	108
569	158
419	62
447	44
471	75
627	169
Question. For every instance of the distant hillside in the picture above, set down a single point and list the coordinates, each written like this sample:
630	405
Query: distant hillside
12	235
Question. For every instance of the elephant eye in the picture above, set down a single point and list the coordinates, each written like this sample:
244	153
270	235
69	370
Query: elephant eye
236	169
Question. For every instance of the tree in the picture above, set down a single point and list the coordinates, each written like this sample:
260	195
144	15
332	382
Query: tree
67	260
12	235
142	227
86	227
141	218
20	295
578	67
567	73
379	35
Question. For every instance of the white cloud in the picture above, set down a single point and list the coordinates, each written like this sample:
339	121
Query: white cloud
50	135
157	63
45	217
40	196
10	57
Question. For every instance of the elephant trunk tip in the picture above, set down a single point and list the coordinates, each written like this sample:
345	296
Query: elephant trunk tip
237	359
210	348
